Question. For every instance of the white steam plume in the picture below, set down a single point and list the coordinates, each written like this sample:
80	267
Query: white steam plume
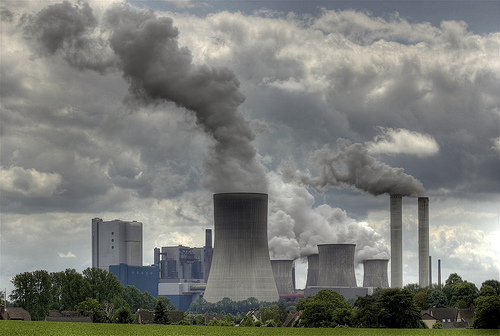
354	167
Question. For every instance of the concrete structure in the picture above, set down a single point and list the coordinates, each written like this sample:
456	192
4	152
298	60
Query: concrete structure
116	242
209	252
312	270
396	211
181	294
283	271
439	273
430	270
180	263
241	267
375	273
144	278
423	241
336	265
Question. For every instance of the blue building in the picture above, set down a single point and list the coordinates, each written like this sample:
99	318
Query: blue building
144	278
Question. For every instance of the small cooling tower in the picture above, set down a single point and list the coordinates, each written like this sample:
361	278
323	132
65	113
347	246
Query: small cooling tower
336	265
241	267
283	276
312	270
375	273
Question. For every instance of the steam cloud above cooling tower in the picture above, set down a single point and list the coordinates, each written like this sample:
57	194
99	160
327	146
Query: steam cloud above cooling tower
145	48
354	167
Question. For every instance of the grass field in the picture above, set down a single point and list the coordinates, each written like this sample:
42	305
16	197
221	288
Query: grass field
14	328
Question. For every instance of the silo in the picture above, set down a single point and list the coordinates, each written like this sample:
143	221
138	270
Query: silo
241	267
375	273
396	210
312	270
423	241
283	276
336	265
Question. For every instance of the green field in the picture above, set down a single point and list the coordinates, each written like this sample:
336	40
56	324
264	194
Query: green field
13	328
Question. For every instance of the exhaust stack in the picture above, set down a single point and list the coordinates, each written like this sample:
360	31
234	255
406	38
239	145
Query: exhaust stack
336	265
241	267
396	209
423	241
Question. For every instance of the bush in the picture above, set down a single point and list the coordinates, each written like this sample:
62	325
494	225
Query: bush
437	325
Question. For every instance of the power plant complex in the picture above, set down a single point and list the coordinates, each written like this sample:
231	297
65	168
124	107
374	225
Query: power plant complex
238	265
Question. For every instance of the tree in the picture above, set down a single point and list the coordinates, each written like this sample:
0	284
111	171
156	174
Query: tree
463	294
135	299
123	315
365	313
103	286
422	300
161	313
70	288
91	307
437	299
487	313
398	310
325	309
495	284
33	292
270	315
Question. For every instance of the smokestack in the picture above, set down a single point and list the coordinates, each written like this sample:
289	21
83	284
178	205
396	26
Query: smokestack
430	270
423	241
312	270
336	265
396	209
375	273
209	251
157	256
439	273
283	275
241	267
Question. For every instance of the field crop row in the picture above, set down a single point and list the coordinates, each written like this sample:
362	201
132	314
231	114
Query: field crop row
21	328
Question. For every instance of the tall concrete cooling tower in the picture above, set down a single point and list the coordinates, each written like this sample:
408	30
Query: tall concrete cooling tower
375	273
423	241
312	270
283	276
241	267
396	210
336	265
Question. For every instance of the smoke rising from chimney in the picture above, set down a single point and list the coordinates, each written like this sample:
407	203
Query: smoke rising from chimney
354	167
145	48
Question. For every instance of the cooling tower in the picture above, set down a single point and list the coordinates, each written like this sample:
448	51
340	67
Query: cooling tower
241	267
423	241
312	270
283	276
396	209
375	273
336	265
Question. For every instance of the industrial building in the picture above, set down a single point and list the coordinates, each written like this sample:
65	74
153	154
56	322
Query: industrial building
116	242
144	278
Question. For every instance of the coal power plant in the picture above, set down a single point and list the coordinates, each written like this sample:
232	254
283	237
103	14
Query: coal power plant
241	267
336	265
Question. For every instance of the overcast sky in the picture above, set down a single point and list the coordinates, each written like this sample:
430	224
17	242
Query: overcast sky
142	111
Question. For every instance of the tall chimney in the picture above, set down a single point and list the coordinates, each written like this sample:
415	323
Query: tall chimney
312	270
396	209
209	251
241	267
283	275
336	265
375	273
439	273
430	270
423	241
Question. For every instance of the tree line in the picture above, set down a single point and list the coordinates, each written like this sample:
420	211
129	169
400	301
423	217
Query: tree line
95	290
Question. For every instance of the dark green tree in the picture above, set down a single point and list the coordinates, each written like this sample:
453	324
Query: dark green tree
33	291
398	310
437	299
487	313
70	288
365	313
161	313
271	315
103	286
422	300
326	309
135	299
495	284
91	307
463	294
123	315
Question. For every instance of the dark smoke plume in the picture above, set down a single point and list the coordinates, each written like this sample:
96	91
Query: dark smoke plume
354	167
145	48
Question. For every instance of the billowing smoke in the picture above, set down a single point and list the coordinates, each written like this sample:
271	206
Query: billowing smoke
145	48
296	226
354	167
